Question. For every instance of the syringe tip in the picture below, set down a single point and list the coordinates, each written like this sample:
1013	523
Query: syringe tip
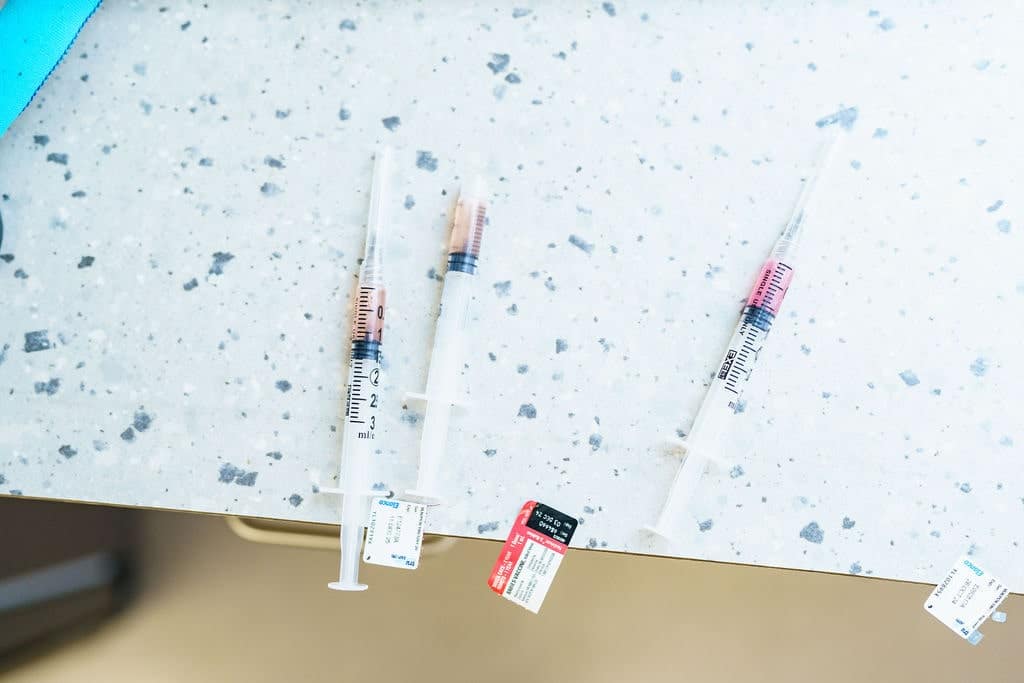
844	117
475	188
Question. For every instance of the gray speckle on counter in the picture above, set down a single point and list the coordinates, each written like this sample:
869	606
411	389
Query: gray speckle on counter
488	526
86	262
273	162
270	190
57	158
391	122
190	285
909	378
41	140
561	346
128	435
608	8
528	411
67	451
229	473
426	161
595	441
220	259
706	525
344	114
283	385
581	244
499	62
49	387
503	288
848	523
347	25
490	452
37	341
855	568
979	367
142	421
813	533
295	500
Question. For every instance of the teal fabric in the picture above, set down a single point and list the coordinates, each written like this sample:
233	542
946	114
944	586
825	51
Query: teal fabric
34	36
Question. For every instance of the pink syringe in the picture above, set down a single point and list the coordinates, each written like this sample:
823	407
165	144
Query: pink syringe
722	400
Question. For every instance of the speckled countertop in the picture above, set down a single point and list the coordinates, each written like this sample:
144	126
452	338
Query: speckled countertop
183	206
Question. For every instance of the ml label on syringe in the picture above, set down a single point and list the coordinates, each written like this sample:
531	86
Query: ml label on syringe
394	535
531	555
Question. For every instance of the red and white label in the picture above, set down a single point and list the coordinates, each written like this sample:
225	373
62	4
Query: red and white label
530	558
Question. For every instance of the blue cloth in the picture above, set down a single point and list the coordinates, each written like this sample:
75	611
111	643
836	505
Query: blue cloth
34	36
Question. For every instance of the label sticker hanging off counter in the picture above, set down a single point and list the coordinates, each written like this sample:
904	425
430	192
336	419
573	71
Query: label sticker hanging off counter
531	555
394	535
965	598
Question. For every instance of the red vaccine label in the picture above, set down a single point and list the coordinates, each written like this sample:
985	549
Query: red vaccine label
531	555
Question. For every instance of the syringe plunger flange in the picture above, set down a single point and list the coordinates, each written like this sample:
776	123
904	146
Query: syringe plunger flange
467	233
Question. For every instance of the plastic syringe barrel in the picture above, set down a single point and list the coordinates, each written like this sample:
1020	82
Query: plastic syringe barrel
364	373
443	381
445	373
761	308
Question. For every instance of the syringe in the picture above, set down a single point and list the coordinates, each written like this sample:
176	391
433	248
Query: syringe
364	400
722	400
443	389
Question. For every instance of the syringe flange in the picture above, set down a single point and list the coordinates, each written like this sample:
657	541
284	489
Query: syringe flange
342	492
461	404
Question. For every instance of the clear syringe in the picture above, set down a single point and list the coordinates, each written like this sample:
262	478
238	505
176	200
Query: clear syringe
722	399
444	376
363	401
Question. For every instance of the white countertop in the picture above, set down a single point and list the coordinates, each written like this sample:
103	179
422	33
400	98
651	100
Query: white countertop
184	204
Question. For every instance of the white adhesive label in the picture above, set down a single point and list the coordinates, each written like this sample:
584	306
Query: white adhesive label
394	535
966	597
532	576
